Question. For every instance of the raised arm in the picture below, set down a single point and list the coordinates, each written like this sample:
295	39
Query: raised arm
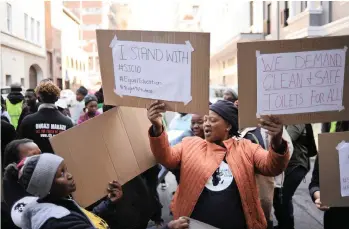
275	160
168	156
272	162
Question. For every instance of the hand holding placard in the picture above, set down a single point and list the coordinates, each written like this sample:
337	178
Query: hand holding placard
155	117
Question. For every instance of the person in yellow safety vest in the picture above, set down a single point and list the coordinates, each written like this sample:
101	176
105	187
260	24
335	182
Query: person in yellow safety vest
14	103
331	127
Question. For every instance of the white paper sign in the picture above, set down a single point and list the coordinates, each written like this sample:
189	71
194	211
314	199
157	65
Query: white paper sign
343	151
152	70
300	82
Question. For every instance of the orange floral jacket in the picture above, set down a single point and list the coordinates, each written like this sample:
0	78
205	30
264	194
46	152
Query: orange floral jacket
198	159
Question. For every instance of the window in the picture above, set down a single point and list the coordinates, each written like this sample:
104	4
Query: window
22	81
223	64
50	62
32	29
92	10
268	18
9	17
304	5
90	63
195	10
90	26
330	11
8	80
26	35
224	80
251	13
285	15
264	14
38	32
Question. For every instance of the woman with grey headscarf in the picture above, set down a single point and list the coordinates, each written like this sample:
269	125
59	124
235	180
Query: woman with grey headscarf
46	177
232	96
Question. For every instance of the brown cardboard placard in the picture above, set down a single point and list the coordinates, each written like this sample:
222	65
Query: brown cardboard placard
247	73
329	169
200	59
111	146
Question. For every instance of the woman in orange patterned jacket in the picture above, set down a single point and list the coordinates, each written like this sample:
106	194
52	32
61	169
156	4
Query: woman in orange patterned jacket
218	184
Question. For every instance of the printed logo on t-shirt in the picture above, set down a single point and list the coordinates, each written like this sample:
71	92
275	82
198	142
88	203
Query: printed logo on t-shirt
47	130
221	178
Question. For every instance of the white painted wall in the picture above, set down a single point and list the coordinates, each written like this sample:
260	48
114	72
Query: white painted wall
18	52
34	9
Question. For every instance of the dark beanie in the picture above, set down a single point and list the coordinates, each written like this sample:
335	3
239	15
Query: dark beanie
90	98
82	90
228	111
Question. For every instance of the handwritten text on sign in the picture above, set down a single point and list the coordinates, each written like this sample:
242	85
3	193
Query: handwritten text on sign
152	70
300	82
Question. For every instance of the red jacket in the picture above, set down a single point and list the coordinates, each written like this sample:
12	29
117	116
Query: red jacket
198	159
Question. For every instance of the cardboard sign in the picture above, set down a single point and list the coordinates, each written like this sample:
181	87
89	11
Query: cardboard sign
111	146
301	81
329	166
138	67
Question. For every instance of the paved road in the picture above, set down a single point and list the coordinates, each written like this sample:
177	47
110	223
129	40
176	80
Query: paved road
307	216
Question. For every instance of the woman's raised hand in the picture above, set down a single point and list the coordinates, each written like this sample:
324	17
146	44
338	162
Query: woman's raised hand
274	127
154	114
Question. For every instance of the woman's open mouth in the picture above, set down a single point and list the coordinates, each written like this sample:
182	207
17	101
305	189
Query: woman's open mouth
207	131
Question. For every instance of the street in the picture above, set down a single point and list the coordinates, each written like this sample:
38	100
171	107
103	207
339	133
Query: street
307	216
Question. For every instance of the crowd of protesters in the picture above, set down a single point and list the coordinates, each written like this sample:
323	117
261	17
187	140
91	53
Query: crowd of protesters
227	177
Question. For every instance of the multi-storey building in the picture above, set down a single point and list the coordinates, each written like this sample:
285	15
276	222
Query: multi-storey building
22	42
93	15
231	22
297	19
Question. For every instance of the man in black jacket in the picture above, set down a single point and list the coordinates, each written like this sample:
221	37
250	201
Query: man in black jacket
30	105
48	121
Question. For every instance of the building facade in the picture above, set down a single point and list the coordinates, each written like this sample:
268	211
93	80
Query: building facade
269	20
93	15
188	16
22	42
298	19
53	34
74	57
230	22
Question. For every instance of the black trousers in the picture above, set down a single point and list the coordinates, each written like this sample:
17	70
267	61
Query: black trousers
282	203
